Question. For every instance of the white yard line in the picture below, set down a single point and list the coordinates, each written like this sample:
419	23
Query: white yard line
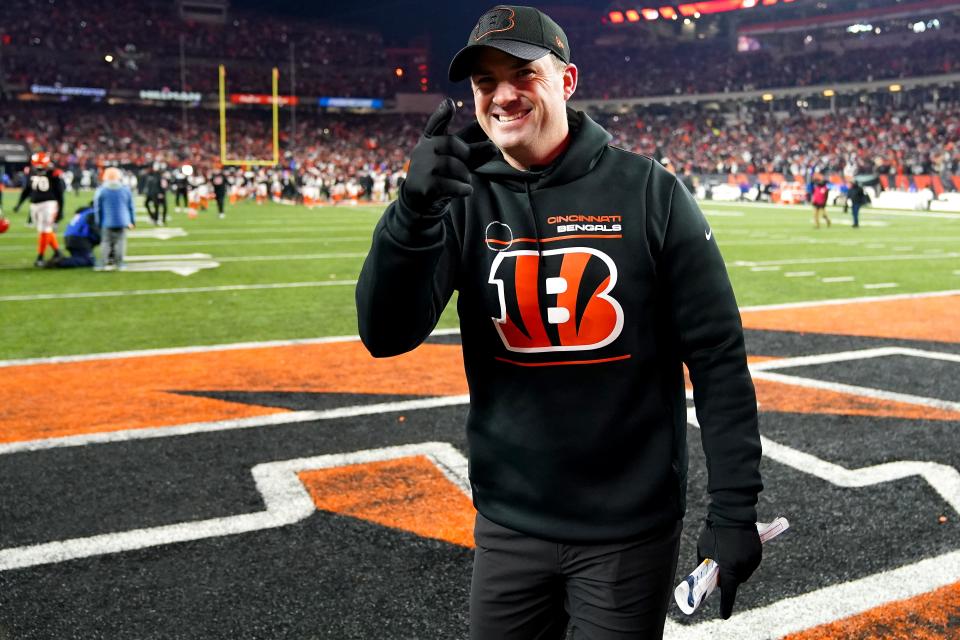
843	259
799	274
285	498
175	351
846	301
253	345
180	290
864	212
274	419
774	268
302	256
881	285
286	501
838	279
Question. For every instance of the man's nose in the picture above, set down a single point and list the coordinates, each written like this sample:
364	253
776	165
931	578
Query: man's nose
504	94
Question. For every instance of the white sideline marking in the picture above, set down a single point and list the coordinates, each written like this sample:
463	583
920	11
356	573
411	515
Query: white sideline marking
170	351
724	214
844	260
825	605
275	419
302	256
850	389
836	602
315	241
286	500
437	332
838	279
881	285
174	256
799	274
179	290
883	212
763	371
858	354
845	301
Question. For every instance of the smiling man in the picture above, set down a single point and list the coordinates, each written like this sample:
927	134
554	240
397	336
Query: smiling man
587	277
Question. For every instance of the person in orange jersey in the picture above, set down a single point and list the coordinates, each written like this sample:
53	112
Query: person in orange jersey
44	188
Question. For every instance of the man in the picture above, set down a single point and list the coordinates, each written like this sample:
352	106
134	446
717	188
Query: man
587	276
857	198
155	195
44	188
818	197
219	182
113	204
80	236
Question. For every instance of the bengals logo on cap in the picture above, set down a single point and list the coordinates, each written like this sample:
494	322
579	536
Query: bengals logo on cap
494	21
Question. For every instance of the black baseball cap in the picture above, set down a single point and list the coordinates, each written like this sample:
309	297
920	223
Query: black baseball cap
524	32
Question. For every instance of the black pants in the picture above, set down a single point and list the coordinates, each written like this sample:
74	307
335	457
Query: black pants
160	207
525	588
151	206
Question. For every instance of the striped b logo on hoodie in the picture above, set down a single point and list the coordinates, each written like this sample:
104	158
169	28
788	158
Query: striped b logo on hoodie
572	310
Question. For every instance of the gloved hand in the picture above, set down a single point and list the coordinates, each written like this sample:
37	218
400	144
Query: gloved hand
737	552
440	165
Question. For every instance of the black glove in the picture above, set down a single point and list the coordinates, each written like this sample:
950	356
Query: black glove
737	552
440	165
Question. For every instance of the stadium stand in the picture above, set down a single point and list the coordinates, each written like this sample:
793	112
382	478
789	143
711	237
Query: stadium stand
908	140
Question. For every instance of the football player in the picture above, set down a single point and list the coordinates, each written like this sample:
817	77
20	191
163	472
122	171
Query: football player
44	188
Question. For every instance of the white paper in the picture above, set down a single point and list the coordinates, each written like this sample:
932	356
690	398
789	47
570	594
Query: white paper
701	582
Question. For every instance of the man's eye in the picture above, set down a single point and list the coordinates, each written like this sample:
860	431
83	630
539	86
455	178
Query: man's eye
525	73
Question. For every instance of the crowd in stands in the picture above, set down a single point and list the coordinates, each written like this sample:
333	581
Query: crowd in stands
685	69
65	41
848	142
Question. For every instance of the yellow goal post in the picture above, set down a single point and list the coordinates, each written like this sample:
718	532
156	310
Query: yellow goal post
224	160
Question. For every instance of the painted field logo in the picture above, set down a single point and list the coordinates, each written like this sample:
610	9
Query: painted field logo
577	313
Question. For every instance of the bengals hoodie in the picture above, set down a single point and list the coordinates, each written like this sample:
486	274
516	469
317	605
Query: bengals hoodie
582	290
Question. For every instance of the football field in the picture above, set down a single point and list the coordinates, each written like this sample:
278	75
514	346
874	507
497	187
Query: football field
199	447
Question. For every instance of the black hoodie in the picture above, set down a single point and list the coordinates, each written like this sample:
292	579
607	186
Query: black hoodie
582	290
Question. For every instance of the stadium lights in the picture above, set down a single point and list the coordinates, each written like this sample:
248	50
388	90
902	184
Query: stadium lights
650	14
668	13
632	15
748	4
616	17
829	93
895	88
398	72
108	58
767	97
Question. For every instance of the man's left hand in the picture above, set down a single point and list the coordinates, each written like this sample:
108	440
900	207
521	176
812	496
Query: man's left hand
737	551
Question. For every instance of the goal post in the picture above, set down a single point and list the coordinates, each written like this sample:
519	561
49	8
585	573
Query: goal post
275	99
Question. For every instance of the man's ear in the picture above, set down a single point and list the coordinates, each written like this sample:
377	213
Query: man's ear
570	75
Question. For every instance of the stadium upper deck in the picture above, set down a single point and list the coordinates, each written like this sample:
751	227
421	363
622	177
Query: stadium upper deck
66	42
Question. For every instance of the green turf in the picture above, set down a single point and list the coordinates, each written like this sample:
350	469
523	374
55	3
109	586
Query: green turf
276	244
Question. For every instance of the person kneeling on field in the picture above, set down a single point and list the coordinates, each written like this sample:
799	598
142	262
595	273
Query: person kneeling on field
80	236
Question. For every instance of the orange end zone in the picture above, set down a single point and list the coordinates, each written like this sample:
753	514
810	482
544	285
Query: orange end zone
931	616
53	400
408	493
935	319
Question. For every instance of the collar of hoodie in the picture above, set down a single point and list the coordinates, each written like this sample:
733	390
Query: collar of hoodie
587	144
